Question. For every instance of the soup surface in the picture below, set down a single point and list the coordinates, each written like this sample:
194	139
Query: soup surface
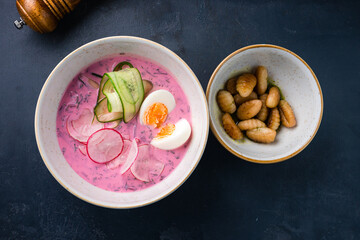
81	95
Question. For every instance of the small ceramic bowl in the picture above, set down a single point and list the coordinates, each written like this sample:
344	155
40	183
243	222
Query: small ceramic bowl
53	89
299	86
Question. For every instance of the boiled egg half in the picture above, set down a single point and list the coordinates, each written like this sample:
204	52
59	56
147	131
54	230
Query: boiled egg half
172	136
156	107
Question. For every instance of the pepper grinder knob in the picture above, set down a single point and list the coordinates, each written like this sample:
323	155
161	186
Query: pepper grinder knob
19	23
43	15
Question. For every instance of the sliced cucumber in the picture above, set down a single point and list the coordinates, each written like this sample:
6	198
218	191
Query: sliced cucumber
127	101
113	124
103	115
101	96
147	84
113	99
120	66
129	86
131	83
140	88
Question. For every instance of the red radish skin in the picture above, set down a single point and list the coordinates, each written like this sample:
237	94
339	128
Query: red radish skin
146	165
81	128
131	156
122	157
104	145
82	149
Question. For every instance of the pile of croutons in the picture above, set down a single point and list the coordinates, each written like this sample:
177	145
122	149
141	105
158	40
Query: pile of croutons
259	109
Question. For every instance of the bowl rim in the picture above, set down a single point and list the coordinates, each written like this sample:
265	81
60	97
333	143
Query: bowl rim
83	197
212	124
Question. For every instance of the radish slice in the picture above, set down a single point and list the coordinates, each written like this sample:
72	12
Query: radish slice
122	157
156	169
104	145
80	129
131	156
146	166
82	149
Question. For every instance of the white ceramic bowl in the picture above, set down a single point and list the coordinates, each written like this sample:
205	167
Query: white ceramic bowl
299	86
53	89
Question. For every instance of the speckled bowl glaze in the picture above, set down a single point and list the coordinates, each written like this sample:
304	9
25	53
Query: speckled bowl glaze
299	86
53	89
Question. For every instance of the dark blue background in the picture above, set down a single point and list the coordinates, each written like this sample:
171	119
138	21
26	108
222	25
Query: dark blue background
315	195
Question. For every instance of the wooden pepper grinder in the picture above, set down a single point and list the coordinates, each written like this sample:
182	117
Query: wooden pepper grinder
43	15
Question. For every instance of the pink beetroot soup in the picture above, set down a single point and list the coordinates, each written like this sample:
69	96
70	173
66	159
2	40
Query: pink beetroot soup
80	95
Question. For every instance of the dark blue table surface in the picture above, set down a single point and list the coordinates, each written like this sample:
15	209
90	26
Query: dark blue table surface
315	195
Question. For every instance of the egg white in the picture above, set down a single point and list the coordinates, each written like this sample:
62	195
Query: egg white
160	96
180	135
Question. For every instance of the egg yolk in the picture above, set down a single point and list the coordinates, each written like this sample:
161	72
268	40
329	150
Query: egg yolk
166	130
155	115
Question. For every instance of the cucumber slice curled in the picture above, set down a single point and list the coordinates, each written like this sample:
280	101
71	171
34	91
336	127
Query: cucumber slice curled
124	94
129	86
101	95
140	87
121	94
120	66
103	115
113	100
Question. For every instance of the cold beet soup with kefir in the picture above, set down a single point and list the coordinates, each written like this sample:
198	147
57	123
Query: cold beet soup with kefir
124	123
